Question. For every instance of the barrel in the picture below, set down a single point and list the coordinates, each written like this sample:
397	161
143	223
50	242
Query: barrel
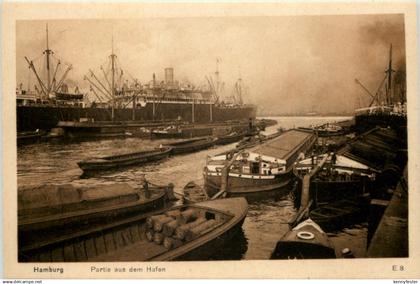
182	230
176	214
189	215
171	243
149	235
170	227
197	231
150	221
158	223
158	238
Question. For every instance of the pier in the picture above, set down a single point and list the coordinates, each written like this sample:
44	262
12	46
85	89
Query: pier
391	237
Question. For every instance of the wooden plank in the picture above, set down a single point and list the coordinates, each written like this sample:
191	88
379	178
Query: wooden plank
119	240
135	235
100	245
109	242
57	254
79	250
391	236
127	236
69	254
142	232
45	256
90	248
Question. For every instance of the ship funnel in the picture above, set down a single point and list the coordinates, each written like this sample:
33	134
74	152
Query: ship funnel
169	76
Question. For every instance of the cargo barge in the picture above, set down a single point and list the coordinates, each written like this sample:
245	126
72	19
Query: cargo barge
259	172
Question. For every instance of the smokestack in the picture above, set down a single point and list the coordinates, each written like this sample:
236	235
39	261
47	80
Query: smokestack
154	80
169	76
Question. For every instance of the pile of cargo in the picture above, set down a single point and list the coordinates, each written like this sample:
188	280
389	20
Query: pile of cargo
176	227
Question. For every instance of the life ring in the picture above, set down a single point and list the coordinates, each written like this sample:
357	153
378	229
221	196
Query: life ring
305	235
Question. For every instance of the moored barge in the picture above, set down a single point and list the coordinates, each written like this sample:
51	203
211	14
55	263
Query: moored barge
258	172
200	230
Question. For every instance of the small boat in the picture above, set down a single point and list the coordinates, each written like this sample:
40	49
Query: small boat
185	232
191	145
167	132
59	206
327	130
339	214
305	241
229	138
28	137
93	165
194	193
54	134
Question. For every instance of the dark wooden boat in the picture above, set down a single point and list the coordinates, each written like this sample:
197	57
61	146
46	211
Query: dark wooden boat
339	214
343	178
191	145
167	132
305	241
28	137
194	193
93	165
204	227
54	134
229	138
60	206
327	130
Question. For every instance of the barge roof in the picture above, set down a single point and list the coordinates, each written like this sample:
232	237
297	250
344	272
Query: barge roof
283	146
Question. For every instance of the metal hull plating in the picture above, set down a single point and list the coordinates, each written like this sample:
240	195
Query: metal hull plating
47	117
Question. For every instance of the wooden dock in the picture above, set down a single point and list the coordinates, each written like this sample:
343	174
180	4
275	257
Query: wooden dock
391	236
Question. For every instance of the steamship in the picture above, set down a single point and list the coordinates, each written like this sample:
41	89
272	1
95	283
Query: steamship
118	101
388	106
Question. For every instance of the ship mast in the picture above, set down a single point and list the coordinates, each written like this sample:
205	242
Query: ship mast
217	75
47	52
389	75
113	79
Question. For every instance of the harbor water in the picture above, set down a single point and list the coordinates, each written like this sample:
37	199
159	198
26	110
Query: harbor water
266	222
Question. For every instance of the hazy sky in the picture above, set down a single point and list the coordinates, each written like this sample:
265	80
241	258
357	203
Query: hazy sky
296	63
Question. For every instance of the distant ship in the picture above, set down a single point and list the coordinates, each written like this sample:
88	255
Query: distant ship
119	101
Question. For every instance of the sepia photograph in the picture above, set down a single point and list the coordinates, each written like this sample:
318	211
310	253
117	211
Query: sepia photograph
217	136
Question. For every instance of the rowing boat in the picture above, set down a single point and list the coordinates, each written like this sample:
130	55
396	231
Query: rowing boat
229	138
93	165
339	214
194	193
202	230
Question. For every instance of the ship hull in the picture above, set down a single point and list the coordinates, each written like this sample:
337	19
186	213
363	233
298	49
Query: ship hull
252	189
365	122
47	117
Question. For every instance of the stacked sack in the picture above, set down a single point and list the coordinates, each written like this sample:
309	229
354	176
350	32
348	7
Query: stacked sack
175	227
